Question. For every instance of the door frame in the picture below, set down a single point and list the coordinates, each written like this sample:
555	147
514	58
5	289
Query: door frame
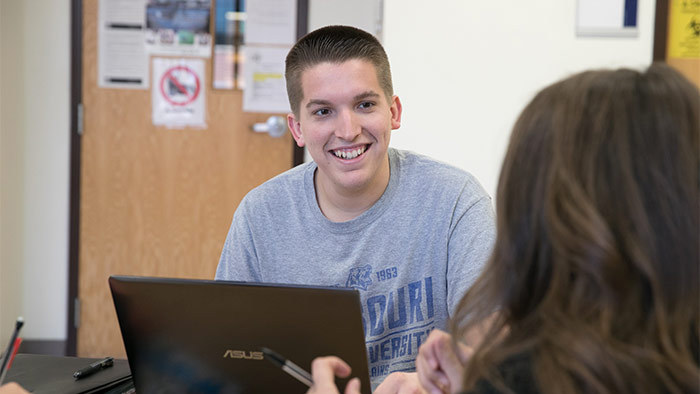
660	30
76	96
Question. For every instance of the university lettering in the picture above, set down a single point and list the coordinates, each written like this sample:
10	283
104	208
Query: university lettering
406	305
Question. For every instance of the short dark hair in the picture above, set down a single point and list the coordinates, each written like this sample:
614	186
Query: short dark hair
334	44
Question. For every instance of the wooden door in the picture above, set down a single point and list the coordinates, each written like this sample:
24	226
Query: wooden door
155	201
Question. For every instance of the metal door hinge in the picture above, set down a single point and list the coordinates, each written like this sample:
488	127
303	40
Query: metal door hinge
80	119
76	315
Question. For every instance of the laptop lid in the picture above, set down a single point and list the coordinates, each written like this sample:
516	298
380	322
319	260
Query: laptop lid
204	336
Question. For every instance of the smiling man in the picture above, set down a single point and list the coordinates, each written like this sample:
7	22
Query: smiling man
345	122
410	233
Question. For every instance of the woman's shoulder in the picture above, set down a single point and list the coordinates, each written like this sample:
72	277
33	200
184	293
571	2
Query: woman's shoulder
516	374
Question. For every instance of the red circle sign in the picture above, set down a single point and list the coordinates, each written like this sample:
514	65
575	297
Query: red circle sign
179	85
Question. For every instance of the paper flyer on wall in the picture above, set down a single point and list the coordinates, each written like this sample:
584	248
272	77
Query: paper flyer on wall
271	22
178	27
606	18
178	93
265	88
229	26
122	61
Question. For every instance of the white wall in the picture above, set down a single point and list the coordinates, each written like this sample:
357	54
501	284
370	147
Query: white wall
47	147
35	166
11	167
363	14
465	69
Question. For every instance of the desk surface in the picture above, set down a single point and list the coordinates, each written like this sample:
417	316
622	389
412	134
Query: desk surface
54	375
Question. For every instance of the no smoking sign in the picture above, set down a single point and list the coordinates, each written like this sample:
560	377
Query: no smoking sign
178	99
179	85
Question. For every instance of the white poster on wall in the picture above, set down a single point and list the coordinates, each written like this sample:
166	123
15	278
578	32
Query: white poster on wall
122	59
265	89
178	27
178	93
271	22
606	18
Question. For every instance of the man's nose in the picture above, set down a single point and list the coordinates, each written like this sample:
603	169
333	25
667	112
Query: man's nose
347	127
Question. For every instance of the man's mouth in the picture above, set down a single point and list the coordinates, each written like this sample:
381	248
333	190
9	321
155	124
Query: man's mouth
349	153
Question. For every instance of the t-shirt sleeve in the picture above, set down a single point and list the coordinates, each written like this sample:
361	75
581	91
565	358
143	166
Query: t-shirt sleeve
238	260
470	243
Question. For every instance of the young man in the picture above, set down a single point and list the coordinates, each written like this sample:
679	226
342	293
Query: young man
409	232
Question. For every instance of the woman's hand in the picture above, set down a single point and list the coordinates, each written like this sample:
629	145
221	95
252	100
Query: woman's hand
439	365
324	370
12	388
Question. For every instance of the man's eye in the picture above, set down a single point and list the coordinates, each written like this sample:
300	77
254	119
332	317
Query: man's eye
322	112
366	105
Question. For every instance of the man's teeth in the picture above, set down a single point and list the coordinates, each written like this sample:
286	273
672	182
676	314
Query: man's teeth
350	154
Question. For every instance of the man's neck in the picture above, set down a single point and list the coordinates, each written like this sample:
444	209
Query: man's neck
342	204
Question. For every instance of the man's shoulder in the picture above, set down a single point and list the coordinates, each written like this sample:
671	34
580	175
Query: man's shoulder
279	189
288	180
416	167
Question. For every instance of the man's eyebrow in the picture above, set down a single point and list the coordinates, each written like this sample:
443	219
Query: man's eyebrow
317	102
367	94
361	96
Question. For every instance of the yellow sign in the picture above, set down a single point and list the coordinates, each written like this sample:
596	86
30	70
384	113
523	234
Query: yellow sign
262	77
684	29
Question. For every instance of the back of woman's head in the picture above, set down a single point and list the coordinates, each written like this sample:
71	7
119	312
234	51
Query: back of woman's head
595	268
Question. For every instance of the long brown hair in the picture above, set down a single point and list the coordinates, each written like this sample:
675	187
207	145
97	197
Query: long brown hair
594	275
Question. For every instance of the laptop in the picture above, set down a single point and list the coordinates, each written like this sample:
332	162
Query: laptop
205	336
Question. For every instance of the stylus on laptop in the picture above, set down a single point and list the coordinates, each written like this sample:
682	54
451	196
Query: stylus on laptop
9	353
287	366
94	367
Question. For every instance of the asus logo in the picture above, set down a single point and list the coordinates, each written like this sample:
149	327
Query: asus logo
243	355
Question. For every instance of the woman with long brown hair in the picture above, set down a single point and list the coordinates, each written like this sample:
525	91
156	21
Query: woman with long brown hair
593	286
593	283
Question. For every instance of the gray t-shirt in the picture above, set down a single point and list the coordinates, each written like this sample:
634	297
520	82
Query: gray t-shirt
412	255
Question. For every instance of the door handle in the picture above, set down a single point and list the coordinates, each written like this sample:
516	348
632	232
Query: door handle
275	126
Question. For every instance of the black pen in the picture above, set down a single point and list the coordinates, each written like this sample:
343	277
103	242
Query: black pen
289	367
10	348
94	367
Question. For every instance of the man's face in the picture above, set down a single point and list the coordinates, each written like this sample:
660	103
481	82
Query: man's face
345	121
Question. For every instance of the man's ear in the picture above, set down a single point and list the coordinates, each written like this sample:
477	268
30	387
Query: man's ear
395	112
295	128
